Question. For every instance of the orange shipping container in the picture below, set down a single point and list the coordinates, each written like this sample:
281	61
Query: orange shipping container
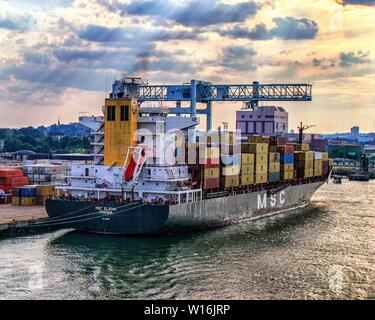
5	173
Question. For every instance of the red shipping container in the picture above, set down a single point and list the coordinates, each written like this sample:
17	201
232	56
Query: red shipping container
287	149
5	173
6	189
16	181
282	141
212	183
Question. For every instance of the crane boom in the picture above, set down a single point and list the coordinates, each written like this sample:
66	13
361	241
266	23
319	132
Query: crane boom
206	92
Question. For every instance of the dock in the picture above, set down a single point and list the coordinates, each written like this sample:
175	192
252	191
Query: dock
18	220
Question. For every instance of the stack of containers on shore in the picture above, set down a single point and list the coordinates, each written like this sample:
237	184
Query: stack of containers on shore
259	147
44	192
24	196
11	178
286	161
304	161
230	160
247	165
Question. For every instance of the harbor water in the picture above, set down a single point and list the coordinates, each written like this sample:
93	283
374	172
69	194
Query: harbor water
324	251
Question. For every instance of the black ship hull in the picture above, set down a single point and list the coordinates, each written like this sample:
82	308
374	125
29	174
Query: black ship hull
133	219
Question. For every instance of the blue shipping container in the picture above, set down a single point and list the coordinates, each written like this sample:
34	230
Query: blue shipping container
27	192
287	158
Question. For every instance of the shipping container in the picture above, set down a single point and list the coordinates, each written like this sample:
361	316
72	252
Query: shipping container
261	158
274	167
231	170
247	169
287	158
25	191
318	155
272	149
261	169
230	181
247	180
304	164
305	173
285	149
259	139
14	181
304	156
261	178
302	147
258	148
326	167
281	140
325	156
211	173
5	173
247	158
287	175
274	157
287	167
16	201
28	201
274	176
211	183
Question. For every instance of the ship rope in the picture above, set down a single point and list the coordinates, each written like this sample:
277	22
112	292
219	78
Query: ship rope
55	223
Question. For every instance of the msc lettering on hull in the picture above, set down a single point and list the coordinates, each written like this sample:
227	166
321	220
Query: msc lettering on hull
272	201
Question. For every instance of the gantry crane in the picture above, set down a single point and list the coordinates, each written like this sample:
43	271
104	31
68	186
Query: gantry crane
206	93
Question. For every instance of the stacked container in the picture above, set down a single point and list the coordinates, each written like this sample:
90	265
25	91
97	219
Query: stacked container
11	178
325	163
44	192
304	163
247	169
318	164
274	166
286	162
24	196
260	151
231	166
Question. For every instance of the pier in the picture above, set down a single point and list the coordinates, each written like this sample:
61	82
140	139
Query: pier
17	220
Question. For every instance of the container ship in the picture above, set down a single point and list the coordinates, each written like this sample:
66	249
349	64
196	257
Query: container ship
155	172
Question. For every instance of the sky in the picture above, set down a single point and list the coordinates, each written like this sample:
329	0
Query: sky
59	57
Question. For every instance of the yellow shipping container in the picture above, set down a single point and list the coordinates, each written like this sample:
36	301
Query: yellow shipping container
258	148
259	139
211	173
16	201
45	190
228	137
29	201
247	169
274	167
247	180
318	168
325	156
287	167
231	170
287	175
304	156
261	169
274	157
302	147
231	181
247	158
261	178
261	158
308	173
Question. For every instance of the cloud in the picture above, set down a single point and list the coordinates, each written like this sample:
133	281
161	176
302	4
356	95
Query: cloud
288	28
189	13
357	2
238	58
353	58
14	23
134	35
323	63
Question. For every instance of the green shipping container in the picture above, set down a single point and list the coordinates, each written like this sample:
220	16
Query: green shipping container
274	176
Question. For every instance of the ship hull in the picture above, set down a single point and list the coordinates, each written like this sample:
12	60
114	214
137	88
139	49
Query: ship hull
133	219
